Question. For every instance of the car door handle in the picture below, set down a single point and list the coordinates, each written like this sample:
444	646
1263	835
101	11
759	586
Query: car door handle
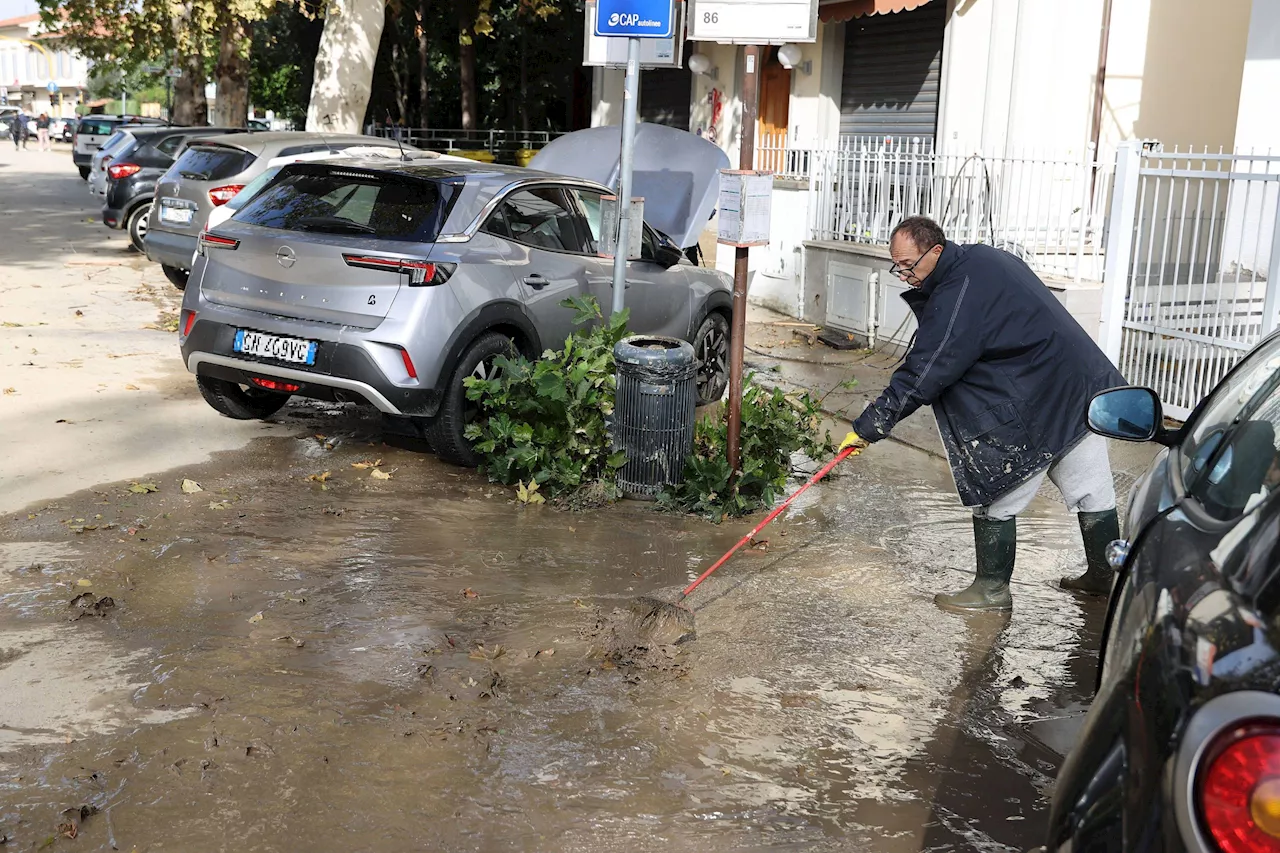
536	281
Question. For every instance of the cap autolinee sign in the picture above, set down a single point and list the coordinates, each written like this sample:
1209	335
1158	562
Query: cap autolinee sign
753	21
612	52
646	19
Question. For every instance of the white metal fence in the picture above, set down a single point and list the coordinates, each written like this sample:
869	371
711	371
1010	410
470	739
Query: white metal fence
1049	209
1194	267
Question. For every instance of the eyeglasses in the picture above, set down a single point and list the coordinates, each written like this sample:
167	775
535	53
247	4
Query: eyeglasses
904	272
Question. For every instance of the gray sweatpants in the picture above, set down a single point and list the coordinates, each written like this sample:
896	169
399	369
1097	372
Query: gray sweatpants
1083	476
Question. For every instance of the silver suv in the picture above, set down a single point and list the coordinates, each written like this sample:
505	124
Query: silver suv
208	174
388	283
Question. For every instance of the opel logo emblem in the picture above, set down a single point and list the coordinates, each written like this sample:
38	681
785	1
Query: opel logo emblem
286	256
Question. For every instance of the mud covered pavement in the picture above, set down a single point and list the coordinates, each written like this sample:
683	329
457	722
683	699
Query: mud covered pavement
337	645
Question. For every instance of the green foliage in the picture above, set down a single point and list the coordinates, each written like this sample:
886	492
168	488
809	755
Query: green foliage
774	426
543	422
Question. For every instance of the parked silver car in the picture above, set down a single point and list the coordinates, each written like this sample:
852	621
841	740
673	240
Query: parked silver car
388	283
208	174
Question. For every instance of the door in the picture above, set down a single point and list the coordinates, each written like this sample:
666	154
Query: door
553	260
659	299
775	110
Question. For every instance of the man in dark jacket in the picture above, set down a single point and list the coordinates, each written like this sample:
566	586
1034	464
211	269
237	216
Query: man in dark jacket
1009	373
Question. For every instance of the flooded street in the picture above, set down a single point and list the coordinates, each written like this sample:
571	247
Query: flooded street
295	661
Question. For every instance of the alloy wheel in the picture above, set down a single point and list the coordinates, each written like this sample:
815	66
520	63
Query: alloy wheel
713	360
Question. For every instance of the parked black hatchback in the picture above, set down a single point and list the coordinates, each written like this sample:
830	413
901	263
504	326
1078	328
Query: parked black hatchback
135	169
1181	748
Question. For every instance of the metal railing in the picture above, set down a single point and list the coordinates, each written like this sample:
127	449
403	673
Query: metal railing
504	145
775	153
1050	209
1200	287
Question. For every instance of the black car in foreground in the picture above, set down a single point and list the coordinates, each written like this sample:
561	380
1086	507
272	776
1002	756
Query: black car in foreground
1180	750
135	169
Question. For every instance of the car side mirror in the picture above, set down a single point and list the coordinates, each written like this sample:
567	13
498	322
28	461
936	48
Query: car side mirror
1129	414
667	255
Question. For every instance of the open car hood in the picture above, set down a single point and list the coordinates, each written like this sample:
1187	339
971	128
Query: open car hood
675	172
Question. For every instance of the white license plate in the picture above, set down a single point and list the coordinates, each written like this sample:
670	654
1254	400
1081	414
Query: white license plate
271	346
176	215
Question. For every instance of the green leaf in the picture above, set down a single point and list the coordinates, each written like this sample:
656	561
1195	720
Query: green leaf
617	460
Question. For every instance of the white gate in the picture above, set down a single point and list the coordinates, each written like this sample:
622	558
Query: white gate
1192	267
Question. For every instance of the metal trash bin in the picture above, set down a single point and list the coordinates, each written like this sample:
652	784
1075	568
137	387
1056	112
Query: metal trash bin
653	415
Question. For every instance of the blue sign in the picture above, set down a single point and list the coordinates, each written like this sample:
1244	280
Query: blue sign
645	19
53	88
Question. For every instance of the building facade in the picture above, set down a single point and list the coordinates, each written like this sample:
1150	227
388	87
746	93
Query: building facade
30	61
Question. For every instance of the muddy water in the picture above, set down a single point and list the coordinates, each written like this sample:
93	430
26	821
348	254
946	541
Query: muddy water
415	663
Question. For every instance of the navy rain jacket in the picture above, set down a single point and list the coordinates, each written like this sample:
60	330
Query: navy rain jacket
1008	371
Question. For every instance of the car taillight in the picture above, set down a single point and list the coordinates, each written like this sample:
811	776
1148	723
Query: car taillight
408	364
214	241
420	272
123	170
274	385
221	195
1239	790
188	322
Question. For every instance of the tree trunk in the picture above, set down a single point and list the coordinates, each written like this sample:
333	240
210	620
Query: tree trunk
400	73
424	79
524	84
190	107
344	65
467	63
231	109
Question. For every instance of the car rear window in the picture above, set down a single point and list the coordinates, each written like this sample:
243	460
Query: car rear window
212	162
386	207
96	127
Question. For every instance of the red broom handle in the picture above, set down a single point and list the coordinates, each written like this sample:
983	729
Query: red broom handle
824	471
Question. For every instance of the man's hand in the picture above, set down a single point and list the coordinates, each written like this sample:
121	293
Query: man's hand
855	441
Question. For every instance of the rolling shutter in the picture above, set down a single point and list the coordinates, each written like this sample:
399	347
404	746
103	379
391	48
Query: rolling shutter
892	68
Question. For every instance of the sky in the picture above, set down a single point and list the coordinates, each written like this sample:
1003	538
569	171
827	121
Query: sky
16	8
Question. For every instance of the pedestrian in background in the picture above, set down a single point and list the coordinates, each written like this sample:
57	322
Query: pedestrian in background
1009	374
42	131
17	129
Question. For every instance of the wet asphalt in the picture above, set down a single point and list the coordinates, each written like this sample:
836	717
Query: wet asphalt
306	655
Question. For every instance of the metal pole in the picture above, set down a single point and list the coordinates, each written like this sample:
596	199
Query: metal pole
630	100
738	329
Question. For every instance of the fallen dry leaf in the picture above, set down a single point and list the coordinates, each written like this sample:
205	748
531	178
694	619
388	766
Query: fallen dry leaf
143	488
132	387
220	505
379	475
297	644
256	618
191	487
544	653
84	582
320	478
363	465
470	593
11	390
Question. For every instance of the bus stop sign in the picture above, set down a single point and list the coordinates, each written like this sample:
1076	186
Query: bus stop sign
645	19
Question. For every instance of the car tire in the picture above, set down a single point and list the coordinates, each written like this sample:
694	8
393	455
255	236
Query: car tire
711	350
178	278
445	432
136	225
238	402
84	172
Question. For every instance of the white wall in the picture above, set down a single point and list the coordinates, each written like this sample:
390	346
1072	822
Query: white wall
1251	216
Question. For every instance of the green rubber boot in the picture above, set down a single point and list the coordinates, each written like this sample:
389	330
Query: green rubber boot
995	543
1097	529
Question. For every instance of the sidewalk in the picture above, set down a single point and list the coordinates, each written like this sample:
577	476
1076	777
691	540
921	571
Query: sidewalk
780	353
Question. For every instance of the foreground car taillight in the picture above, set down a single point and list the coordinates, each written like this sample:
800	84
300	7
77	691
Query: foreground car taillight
188	321
421	273
215	241
273	385
221	195
1239	790
123	170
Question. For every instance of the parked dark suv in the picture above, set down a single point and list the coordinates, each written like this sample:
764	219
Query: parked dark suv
135	169
1181	748
93	130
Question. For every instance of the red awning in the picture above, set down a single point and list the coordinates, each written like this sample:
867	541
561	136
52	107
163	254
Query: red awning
847	10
